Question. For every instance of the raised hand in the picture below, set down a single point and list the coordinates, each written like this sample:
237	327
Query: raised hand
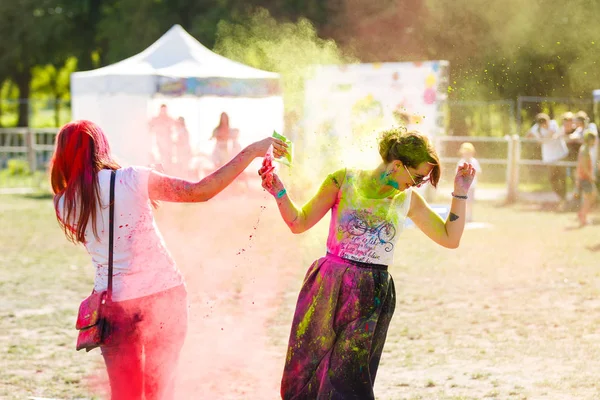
260	148
464	178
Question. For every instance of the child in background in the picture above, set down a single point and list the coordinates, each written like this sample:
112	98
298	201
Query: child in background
586	178
467	154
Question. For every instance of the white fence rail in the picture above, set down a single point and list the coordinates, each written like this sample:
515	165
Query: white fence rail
512	159
37	145
34	145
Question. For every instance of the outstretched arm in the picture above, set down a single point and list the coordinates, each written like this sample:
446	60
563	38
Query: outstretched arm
302	219
445	233
167	188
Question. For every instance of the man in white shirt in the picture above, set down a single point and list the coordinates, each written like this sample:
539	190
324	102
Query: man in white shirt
554	149
162	128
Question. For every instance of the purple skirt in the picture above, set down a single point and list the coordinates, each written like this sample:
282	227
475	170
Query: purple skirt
338	332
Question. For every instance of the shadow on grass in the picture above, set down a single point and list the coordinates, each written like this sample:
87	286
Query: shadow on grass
41	195
530	206
592	222
538	207
571	206
593	248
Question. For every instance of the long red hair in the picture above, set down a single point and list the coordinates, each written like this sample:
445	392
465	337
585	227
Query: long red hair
81	151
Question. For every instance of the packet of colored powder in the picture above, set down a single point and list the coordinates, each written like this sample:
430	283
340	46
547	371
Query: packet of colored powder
267	167
287	158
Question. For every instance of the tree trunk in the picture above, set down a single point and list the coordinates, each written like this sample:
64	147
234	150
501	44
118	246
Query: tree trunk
1	109
23	81
56	112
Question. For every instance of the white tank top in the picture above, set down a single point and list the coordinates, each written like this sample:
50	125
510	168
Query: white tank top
364	229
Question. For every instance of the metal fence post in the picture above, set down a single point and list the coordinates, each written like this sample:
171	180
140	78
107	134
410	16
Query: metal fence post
31	154
514	158
510	156
519	109
429	190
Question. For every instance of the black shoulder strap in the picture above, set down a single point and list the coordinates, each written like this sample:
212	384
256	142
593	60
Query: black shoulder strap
111	229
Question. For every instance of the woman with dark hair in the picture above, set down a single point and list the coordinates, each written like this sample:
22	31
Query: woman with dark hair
183	148
148	313
348	297
222	134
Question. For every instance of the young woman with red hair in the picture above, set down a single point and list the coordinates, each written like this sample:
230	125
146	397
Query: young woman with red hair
148	314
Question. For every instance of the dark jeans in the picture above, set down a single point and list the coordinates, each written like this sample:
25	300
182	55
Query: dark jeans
142	350
558	181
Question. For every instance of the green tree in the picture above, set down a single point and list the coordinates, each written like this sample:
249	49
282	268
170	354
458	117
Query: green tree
85	16
51	82
519	48
32	32
377	31
288	48
129	26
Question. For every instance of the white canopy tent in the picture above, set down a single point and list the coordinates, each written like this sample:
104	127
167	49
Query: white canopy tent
191	80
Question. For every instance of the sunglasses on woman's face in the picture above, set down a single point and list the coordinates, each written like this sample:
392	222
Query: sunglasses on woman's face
418	180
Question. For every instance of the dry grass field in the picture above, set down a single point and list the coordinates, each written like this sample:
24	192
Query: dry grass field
514	313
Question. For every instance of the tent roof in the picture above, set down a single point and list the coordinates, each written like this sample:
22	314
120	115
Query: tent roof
178	54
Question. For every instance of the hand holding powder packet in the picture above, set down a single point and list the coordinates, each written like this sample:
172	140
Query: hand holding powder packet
267	167
289	155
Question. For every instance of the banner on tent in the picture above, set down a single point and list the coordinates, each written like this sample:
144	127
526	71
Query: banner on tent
221	87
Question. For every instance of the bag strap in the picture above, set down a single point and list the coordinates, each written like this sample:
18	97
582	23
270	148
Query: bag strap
111	229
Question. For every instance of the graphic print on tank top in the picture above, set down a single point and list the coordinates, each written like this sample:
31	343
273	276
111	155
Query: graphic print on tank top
365	229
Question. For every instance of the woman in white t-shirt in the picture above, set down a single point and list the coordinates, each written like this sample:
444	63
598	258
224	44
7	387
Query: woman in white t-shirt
554	149
148	316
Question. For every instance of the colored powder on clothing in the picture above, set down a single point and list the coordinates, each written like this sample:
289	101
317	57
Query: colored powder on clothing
305	321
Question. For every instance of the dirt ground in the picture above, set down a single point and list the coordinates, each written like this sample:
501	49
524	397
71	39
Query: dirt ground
511	314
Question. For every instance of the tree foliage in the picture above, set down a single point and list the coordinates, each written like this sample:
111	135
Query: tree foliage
496	50
33	33
288	48
530	48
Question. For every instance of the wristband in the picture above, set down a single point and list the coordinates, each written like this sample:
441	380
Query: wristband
281	193
459	197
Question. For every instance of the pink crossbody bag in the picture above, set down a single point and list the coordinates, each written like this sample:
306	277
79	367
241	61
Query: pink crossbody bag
92	320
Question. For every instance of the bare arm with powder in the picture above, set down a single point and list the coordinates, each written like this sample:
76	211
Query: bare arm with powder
445	233
302	219
168	188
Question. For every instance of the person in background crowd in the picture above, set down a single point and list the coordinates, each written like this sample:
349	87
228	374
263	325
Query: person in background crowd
582	127
568	123
567	129
586	177
554	149
162	127
222	134
183	149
